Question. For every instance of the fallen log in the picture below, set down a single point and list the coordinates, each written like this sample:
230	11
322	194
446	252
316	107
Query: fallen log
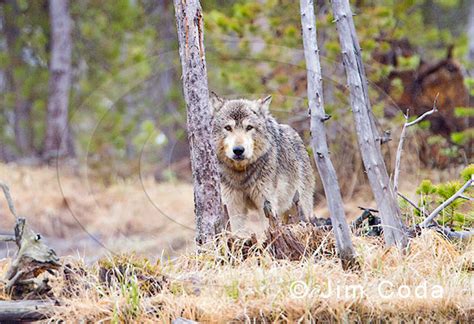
25	310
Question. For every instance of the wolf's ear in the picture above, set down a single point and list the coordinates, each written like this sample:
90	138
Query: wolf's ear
264	104
215	102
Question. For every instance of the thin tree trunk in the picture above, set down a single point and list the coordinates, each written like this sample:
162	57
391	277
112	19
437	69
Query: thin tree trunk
22	108
176	148
57	142
318	134
207	197
369	143
470	35
22	125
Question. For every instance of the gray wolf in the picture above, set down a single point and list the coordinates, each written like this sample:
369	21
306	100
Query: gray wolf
259	160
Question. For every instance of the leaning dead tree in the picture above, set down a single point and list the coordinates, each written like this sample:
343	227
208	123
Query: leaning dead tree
207	199
318	134
369	144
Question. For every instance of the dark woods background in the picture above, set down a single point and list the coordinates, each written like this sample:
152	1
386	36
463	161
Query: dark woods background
125	106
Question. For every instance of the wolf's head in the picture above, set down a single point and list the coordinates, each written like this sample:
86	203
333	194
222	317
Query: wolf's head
239	130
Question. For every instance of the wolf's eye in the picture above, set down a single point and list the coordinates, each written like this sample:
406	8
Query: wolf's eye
228	128
249	127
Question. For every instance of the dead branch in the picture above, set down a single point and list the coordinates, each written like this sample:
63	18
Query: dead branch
8	197
33	258
450	234
7	238
445	204
281	241
25	310
409	201
459	235
402	139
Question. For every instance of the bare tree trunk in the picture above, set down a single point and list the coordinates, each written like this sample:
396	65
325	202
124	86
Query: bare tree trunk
369	143
57	142
22	125
318	134
207	193
177	147
22	107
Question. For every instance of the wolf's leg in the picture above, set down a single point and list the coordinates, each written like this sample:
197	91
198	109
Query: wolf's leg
306	206
272	199
237	210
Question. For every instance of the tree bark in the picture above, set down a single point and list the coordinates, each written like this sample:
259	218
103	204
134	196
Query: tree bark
207	197
318	134
57	141
369	143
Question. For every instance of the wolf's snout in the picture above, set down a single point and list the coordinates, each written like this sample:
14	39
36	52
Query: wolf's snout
238	151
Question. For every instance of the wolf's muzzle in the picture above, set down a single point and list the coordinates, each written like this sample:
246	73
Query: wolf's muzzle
238	153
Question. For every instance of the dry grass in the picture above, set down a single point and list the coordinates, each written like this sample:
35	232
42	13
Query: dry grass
217	285
77	214
213	287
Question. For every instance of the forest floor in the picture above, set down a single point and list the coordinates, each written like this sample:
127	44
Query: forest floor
94	228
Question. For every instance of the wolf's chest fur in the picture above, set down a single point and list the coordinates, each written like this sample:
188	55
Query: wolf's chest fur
246	179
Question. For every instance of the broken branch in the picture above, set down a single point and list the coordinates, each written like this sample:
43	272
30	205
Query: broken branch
402	139
8	197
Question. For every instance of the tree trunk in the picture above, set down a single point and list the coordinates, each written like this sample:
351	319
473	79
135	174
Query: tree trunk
318	134
22	126
207	197
369	143
22	107
176	147
57	142
470	35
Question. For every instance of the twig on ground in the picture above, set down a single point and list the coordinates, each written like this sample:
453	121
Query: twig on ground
402	139
7	238
460	235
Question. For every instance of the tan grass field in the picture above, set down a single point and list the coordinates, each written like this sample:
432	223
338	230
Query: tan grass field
433	282
81	216
85	221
